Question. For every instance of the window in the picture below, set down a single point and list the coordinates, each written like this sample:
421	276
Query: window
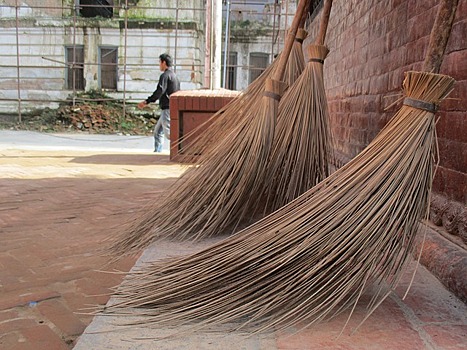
258	63
75	67
96	8
108	69
231	71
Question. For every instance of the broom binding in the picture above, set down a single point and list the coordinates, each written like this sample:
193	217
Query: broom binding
420	104
301	35
317	53
319	60
274	89
272	95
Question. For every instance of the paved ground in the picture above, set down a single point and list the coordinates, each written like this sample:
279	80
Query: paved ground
61	195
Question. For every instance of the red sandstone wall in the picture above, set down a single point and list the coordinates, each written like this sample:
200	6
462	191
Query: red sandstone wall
372	43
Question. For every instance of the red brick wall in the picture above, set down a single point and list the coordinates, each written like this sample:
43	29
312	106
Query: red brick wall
191	109
372	43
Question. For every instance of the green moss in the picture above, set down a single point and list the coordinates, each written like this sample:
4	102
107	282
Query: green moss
247	31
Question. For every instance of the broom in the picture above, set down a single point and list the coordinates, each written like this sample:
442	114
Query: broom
224	121
302	146
315	256
213	196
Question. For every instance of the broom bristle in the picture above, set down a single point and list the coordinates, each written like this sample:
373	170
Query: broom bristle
225	120
196	205
213	195
302	149
316	255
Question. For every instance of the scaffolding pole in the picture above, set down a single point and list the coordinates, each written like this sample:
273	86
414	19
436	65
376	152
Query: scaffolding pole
18	75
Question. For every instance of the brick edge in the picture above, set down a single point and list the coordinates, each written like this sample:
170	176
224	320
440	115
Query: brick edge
444	259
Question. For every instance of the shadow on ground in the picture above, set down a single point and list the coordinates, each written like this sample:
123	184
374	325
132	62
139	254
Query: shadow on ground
124	159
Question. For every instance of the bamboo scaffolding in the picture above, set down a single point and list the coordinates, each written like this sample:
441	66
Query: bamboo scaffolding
215	129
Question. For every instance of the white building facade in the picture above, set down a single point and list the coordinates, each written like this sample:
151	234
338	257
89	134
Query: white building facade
54	49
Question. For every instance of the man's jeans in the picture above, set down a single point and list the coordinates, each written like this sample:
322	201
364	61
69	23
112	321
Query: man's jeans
162	128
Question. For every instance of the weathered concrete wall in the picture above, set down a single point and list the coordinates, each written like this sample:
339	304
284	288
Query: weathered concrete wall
372	43
143	9
34	8
36	82
257	31
188	10
43	39
263	11
47	28
243	50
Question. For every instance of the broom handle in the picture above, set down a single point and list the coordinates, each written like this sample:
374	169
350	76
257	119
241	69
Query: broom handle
323	25
304	14
439	35
279	73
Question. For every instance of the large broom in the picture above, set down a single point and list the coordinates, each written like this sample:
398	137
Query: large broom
318	254
302	147
224	121
214	195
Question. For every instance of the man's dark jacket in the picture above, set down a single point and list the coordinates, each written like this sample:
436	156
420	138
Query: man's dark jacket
168	84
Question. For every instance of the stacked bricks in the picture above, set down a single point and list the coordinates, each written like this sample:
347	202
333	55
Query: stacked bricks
190	109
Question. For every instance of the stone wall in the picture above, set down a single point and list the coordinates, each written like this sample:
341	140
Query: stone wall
372	43
34	8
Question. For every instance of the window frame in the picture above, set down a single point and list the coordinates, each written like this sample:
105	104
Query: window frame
232	66
101	64
264	56
71	83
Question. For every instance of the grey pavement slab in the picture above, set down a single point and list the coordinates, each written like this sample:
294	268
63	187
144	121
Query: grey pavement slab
111	332
430	318
31	140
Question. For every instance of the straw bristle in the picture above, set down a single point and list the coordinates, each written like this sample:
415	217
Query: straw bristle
224	121
217	193
213	195
316	255
302	149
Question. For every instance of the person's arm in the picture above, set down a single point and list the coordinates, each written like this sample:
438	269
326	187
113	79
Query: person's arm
161	88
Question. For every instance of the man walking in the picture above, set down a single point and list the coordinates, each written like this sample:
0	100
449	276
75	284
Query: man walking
168	84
